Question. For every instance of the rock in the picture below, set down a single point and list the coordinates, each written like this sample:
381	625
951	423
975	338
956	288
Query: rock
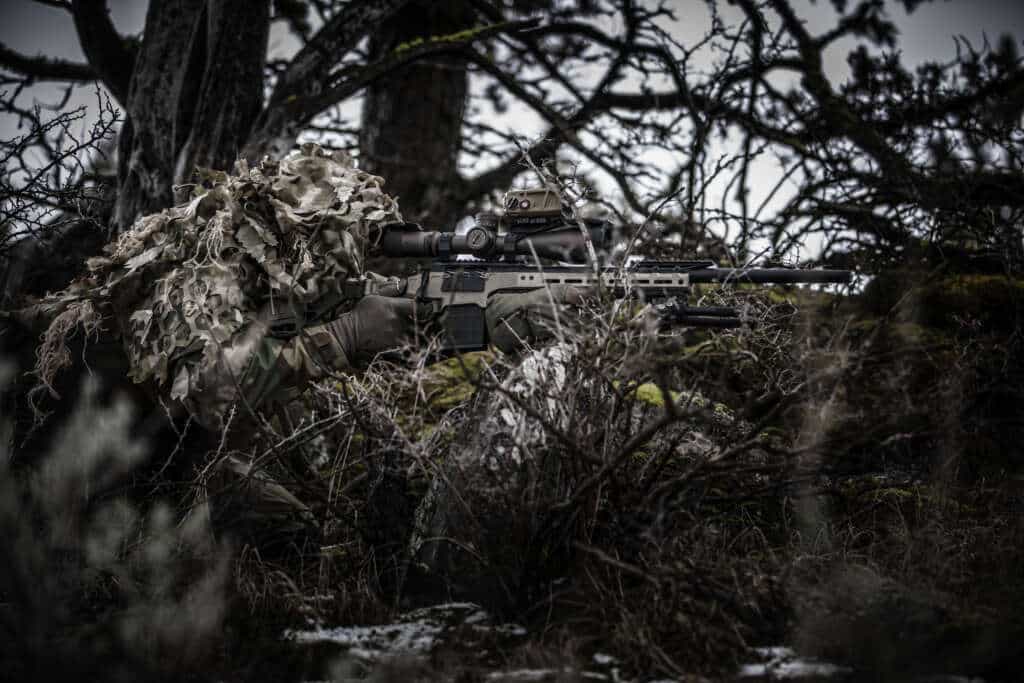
881	626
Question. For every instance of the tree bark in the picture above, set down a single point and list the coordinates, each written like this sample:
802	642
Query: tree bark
160	98
195	91
231	95
412	118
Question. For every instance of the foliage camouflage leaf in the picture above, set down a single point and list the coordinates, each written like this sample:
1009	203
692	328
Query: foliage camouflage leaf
183	284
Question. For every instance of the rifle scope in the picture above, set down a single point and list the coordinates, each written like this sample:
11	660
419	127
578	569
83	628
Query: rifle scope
564	243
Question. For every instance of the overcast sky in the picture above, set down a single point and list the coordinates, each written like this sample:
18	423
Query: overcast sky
925	34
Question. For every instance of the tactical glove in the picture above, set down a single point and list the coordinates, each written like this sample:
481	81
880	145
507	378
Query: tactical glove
520	319
376	324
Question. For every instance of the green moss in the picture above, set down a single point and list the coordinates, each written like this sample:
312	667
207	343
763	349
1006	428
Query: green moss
915	334
428	431
893	494
451	382
802	298
723	412
999	287
457	37
898	334
652	394
864	326
460	36
338	551
991	299
403	47
452	396
868	493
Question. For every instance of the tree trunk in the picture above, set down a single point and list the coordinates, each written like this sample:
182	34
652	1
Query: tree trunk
160	98
231	94
196	89
412	118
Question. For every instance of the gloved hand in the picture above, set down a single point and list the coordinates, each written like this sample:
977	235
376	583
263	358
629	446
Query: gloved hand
375	325
261	367
517	319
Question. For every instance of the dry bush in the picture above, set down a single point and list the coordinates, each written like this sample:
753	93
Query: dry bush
55	192
916	564
94	585
578	487
317	498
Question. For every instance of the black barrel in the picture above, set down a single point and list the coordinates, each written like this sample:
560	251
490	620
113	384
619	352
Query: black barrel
765	276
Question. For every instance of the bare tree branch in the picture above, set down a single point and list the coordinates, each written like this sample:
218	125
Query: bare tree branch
308	71
104	47
281	122
44	68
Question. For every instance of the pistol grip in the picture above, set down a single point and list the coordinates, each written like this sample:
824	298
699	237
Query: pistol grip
465	328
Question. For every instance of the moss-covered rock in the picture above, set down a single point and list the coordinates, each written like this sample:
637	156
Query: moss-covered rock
451	382
995	302
890	630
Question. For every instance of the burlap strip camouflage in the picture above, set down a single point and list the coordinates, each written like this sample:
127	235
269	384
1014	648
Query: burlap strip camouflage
192	288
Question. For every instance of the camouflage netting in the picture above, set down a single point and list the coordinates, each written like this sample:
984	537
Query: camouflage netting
184	283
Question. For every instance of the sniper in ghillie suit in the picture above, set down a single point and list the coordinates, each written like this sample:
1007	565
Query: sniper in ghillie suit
501	341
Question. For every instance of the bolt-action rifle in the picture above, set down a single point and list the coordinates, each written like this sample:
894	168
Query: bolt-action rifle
505	257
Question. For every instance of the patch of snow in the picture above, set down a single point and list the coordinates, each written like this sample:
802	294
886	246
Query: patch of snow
523	675
783	662
415	633
514	630
370	642
446	608
539	675
476	618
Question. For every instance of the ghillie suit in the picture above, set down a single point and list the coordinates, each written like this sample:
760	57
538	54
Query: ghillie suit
192	288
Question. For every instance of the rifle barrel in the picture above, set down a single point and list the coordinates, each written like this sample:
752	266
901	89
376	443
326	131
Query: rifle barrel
780	276
704	321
